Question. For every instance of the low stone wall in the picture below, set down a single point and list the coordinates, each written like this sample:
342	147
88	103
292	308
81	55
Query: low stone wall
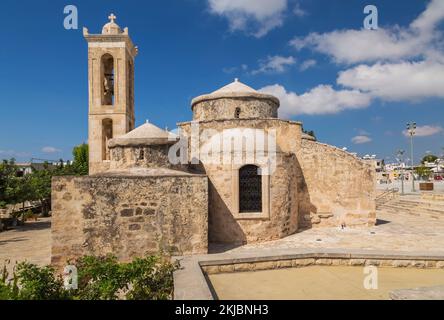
191	281
432	196
305	262
128	216
334	187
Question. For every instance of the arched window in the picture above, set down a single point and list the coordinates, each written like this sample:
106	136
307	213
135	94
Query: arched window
107	80
107	134
250	189
237	113
130	84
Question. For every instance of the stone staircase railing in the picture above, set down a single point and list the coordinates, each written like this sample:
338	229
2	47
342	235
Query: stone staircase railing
386	196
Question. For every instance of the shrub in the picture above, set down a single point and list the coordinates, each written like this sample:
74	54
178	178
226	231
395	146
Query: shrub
150	279
99	278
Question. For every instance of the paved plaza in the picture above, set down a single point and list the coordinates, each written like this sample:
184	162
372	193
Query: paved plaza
394	232
31	242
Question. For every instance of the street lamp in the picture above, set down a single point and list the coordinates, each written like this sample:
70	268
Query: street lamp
411	129
401	160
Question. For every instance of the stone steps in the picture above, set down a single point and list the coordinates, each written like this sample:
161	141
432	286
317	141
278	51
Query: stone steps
415	206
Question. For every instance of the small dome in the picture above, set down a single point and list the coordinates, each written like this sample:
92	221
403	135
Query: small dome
111	27
146	134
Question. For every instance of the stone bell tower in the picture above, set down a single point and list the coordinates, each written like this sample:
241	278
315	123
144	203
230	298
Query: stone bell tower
111	90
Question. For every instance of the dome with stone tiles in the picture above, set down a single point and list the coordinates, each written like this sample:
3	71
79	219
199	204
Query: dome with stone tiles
146	134
236	89
111	27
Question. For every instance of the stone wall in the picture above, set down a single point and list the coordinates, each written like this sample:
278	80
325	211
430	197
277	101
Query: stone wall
129	216
150	156
226	108
280	210
334	187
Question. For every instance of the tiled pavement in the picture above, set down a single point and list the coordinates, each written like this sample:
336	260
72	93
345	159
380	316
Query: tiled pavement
395	232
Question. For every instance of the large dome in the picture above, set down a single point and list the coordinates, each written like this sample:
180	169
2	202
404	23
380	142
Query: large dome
236	89
234	101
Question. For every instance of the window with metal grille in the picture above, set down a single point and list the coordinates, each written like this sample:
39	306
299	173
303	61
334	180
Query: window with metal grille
250	189
237	113
141	154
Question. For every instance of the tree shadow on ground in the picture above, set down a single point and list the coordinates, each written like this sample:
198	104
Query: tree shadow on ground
20	239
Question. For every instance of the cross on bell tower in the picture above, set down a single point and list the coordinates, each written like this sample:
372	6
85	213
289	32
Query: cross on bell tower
111	57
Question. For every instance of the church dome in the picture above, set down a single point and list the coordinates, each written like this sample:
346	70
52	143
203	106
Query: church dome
234	101
146	134
111	27
236	89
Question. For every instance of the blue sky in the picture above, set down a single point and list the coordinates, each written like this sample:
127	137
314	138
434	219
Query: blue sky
355	88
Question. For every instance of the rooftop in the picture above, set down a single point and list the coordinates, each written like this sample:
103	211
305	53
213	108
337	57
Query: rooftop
235	89
146	134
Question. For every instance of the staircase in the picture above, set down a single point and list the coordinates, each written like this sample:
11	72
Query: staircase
413	205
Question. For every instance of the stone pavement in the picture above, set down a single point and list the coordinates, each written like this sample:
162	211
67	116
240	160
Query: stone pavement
393	232
31	242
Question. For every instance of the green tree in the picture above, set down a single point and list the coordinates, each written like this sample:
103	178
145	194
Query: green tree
423	172
40	188
81	159
429	158
8	171
18	191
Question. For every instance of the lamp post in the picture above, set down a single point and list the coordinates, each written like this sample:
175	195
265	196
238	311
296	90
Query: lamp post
401	160
411	129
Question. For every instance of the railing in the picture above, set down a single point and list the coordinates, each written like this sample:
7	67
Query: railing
387	196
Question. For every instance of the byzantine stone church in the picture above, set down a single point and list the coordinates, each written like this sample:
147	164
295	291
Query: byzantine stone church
136	200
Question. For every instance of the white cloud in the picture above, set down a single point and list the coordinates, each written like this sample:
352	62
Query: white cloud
307	64
361	139
425	131
256	17
353	46
274	64
396	82
391	44
298	11
432	16
50	150
322	99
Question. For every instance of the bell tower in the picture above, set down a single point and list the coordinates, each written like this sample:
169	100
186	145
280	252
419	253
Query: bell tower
111	57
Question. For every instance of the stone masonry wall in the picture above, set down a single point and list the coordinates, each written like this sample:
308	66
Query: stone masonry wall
226	226
334	187
128	216
226	108
153	156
